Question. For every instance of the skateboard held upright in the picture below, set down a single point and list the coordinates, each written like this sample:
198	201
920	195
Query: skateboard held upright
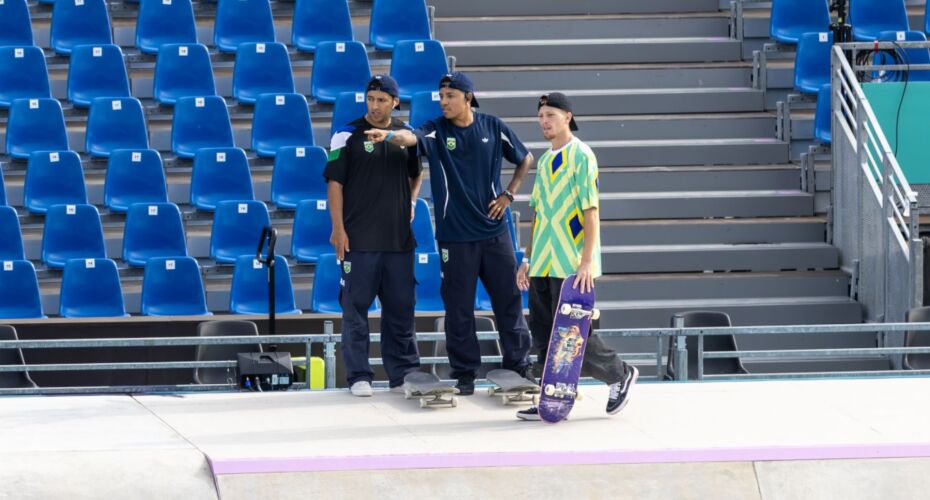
570	329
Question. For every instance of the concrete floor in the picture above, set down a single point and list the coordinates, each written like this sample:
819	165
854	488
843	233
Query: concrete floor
861	438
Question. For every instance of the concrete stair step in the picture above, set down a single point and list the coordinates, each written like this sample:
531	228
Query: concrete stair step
698	204
446	8
679	286
594	51
675	152
564	27
720	125
716	257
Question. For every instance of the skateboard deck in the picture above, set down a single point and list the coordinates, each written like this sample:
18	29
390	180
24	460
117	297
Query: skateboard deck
429	389
570	329
511	387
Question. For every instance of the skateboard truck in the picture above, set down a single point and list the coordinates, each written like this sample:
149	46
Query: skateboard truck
576	312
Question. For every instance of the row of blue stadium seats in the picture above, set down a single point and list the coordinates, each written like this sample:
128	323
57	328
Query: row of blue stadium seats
173	286
278	121
74	231
185	70
791	19
80	22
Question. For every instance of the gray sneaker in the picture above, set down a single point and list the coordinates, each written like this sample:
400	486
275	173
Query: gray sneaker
362	388
399	389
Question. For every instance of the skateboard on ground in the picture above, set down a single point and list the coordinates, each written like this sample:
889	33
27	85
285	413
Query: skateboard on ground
570	329
511	387
430	390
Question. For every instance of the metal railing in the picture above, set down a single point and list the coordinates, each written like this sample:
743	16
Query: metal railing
675	347
874	210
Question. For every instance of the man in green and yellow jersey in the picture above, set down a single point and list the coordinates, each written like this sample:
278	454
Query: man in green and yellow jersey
565	241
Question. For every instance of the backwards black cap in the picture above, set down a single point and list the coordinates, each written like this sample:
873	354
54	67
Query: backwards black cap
560	101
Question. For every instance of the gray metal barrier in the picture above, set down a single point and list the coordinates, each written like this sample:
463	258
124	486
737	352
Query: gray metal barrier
676	336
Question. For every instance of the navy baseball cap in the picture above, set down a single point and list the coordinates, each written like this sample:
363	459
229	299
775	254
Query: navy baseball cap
560	101
459	81
385	84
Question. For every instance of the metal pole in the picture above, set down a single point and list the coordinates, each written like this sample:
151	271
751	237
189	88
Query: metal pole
307	351
681	349
329	355
700	360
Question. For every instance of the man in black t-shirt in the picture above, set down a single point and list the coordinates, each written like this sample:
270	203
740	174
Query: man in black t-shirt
372	191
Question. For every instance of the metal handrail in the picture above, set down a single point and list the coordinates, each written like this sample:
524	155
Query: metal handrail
329	340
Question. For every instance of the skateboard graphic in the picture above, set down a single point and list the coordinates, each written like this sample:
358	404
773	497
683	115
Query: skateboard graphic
511	387
430	390
570	329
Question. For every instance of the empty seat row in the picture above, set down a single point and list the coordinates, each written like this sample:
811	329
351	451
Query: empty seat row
77	22
791	19
186	70
173	286
74	231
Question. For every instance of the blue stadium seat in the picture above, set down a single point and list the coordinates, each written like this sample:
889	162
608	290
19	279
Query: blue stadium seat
172	286
249	294
35	125
201	122
339	67
90	288
134	176
183	70
241	21
429	281
812	62
298	175
220	174
72	232
312	229
11	237
236	228
424	107
261	68
396	20
153	230
79	22
910	56
349	106
309	28
822	119
53	178
870	17
23	74
324	297
792	18
280	120
15	25
96	71
423	228
115	124
418	65
19	290
160	22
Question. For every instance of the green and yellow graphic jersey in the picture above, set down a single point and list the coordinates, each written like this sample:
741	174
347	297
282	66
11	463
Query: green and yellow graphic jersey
566	186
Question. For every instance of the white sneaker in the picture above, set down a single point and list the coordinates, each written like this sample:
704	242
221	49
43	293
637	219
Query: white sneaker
362	388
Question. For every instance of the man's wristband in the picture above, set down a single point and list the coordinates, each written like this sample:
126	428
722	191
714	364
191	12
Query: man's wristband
389	136
526	260
508	194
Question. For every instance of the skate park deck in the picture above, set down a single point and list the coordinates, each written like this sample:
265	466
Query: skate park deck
838	438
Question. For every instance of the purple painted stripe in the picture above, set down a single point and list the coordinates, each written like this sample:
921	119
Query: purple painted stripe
531	459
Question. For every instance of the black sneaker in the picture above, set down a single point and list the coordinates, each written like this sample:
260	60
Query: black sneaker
466	386
620	392
529	414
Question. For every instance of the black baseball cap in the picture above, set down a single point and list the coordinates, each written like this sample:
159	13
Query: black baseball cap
459	81
385	84
560	101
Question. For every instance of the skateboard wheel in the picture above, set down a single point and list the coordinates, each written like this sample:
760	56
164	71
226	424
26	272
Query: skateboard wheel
506	400
455	401
595	314
491	391
407	394
536	399
550	390
423	403
565	309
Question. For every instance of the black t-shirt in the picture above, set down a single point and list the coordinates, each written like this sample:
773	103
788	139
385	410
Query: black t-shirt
375	182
